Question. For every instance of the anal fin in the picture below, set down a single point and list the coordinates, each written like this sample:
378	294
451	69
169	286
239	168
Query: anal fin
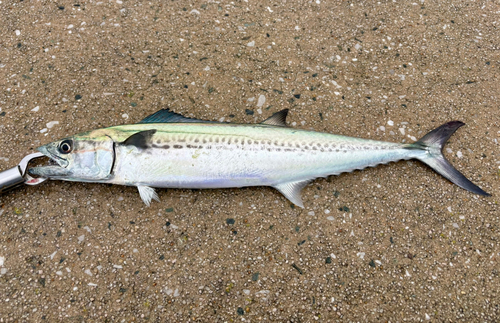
147	194
291	191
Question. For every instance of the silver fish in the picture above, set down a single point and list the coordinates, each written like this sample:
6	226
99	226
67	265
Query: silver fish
169	150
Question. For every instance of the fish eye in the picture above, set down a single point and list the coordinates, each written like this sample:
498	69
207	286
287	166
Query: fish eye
65	147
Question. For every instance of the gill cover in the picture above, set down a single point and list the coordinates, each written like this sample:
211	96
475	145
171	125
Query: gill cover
78	158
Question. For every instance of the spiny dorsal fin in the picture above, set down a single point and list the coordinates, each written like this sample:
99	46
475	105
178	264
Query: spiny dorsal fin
167	116
277	119
291	191
140	139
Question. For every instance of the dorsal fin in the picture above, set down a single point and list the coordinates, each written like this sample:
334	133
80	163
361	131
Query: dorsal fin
167	116
277	119
140	139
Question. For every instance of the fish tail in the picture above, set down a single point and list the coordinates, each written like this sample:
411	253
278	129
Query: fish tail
433	143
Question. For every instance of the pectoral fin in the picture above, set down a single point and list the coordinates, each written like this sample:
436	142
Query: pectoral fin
291	191
140	139
147	194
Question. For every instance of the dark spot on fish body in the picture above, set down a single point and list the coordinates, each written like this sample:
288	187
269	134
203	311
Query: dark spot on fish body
196	140
178	146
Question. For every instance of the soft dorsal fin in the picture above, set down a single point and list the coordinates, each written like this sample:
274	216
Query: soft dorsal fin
277	119
140	139
167	116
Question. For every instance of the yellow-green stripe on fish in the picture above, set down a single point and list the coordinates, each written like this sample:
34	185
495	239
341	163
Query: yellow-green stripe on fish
169	150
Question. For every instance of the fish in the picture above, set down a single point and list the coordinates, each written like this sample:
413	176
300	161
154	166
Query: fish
169	150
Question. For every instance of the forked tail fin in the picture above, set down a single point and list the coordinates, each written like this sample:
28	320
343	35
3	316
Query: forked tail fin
433	143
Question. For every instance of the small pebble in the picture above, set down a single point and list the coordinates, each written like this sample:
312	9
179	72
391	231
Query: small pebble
261	101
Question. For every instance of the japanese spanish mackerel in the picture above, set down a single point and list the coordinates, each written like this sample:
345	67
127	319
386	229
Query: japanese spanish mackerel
171	151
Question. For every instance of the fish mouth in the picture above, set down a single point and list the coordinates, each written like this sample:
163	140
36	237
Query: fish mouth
57	165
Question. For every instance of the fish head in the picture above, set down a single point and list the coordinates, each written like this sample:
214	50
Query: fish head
78	158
